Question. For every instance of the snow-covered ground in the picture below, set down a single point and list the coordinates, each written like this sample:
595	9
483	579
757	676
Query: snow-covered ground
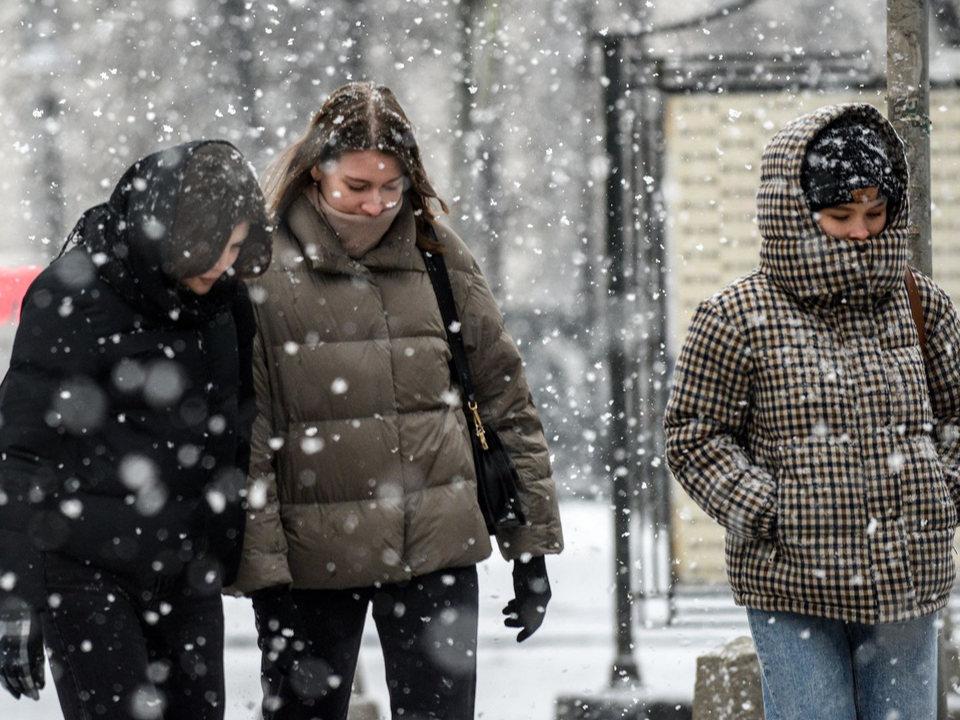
571	654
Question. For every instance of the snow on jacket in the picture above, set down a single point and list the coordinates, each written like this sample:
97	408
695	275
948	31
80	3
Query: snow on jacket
128	405
361	467
803	419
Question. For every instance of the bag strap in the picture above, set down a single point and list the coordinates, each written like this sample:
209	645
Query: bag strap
916	307
440	279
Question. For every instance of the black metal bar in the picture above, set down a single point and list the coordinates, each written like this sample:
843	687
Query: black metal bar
51	174
654	291
746	72
625	669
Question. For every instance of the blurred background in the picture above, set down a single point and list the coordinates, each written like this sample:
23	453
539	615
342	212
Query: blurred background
514	101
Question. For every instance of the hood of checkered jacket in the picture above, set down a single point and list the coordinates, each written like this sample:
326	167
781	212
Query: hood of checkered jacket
799	256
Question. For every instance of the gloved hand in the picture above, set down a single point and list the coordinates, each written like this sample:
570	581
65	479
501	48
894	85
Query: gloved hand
280	630
532	588
21	650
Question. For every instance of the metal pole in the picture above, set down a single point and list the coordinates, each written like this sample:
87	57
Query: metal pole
238	52
908	106
625	669
652	351
51	173
42	66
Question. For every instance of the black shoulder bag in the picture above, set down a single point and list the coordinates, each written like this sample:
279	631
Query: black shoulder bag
497	477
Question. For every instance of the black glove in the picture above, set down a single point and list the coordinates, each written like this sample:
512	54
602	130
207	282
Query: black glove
532	588
280	630
21	650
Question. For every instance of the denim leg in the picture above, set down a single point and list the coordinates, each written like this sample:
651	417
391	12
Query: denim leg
806	666
769	711
895	669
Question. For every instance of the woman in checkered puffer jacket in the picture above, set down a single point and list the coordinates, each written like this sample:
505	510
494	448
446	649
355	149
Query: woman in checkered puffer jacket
808	421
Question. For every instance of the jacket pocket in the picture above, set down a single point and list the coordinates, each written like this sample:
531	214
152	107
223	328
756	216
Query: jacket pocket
931	565
927	503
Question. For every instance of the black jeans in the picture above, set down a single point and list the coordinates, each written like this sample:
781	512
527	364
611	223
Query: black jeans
119	650
428	632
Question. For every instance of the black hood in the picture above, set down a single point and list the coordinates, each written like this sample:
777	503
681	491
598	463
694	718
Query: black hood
132	238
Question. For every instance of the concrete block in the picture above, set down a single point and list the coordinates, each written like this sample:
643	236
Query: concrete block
728	683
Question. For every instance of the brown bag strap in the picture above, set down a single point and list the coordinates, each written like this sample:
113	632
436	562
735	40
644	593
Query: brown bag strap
916	307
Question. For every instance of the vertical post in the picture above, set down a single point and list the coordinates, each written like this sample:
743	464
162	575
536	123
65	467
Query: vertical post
625	669
908	106
238	52
488	194
477	151
357	20
656	543
589	279
51	173
41	66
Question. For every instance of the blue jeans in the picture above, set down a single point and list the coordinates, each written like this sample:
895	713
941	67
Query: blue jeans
836	670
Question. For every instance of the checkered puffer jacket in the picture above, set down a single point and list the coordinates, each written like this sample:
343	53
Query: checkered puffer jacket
804	419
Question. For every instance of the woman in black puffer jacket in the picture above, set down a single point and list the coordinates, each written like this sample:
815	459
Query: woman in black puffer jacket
125	443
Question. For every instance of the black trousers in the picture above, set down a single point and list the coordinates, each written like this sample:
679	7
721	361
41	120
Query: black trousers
428	633
118	650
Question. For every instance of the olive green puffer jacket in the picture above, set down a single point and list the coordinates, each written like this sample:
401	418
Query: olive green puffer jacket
361	468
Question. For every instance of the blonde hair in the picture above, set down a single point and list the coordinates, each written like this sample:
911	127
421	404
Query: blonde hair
357	116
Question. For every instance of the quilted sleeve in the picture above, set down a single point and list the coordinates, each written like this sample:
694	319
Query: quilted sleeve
942	328
706	414
506	403
263	562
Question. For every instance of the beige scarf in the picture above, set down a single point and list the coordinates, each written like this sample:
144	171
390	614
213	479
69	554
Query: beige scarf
357	234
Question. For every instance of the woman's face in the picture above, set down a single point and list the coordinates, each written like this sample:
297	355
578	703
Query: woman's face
853	221
361	182
201	284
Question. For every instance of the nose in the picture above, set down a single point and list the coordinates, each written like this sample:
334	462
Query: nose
219	269
859	230
372	205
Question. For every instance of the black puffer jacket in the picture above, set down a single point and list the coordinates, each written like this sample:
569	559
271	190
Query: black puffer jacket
129	401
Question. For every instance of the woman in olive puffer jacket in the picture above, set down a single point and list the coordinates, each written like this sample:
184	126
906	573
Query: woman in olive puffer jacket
362	484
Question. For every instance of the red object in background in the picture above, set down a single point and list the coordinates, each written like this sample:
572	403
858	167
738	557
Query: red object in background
13	285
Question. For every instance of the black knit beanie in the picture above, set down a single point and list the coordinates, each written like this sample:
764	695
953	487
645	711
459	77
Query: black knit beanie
843	159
